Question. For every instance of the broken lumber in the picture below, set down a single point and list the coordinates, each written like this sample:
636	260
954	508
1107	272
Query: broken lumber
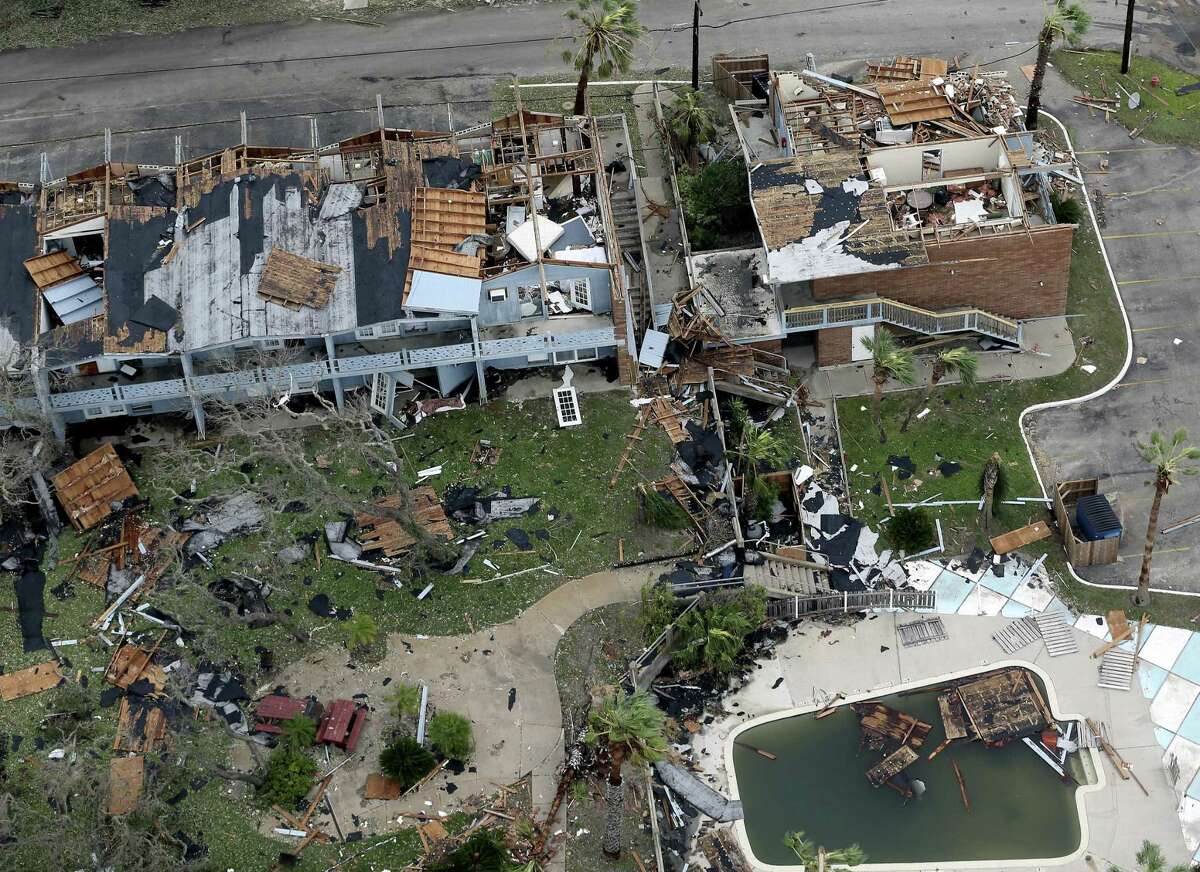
962	785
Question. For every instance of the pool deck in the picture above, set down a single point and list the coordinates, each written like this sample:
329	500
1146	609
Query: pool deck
867	657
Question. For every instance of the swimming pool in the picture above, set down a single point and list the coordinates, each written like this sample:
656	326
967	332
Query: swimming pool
1020	812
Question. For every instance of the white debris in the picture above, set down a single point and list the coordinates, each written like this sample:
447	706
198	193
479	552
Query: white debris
813	186
857	187
1088	368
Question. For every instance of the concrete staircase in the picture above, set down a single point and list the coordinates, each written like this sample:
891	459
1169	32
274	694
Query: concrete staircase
783	579
853	313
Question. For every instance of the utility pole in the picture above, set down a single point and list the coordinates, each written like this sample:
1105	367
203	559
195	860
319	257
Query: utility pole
1128	38
696	13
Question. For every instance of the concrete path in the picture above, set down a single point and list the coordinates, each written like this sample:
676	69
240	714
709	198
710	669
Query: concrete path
474	675
1150	221
866	657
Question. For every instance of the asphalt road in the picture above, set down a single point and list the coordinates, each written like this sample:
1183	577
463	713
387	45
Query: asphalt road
1150	217
207	76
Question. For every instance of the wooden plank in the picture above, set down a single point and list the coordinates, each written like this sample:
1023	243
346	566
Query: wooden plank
1021	537
952	719
49	269
88	487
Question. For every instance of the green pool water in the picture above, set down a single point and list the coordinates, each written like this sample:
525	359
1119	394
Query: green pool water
1020	809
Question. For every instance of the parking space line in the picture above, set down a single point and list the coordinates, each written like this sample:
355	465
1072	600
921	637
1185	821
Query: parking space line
1146	381
1158	279
1128	148
1152	233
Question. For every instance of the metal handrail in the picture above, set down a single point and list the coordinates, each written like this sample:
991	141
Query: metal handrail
902	314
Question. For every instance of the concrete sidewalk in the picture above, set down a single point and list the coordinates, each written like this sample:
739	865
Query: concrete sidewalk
475	675
1049	351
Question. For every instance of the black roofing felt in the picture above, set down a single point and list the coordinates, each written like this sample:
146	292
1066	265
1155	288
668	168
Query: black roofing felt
156	313
18	242
133	249
378	279
212	206
449	172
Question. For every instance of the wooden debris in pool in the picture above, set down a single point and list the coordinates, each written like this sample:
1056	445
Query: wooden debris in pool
761	752
830	707
962	785
1004	706
882	728
892	764
953	717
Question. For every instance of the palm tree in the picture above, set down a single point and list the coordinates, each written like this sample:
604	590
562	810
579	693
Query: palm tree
1064	21
813	857
691	122
991	478
404	700
361	631
954	361
632	728
1167	458
711	637
298	733
1150	859
607	30
888	361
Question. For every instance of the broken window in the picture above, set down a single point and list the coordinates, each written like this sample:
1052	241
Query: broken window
566	406
580	291
931	164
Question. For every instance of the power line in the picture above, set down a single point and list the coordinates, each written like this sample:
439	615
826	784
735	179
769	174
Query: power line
532	40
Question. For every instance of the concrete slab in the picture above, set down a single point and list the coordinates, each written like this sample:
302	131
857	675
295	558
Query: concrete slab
982	601
1163	646
1187	663
1173	702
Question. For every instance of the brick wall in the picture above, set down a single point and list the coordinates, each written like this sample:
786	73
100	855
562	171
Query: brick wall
834	346
1017	276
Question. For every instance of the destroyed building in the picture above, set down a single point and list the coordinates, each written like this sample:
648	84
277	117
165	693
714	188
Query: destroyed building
266	272
916	199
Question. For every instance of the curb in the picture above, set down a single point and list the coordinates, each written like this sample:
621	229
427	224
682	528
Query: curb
1039	407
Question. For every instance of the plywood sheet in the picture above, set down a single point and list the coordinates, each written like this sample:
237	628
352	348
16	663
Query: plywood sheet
34	679
126	776
382	787
1019	538
141	726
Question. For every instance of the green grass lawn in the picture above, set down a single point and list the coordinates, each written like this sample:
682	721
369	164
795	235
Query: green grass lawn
967	424
1097	73
567	469
575	529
